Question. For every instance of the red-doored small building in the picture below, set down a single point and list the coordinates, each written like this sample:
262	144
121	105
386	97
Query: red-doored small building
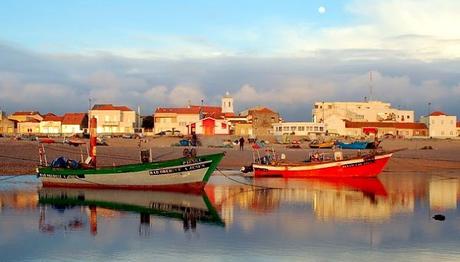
210	126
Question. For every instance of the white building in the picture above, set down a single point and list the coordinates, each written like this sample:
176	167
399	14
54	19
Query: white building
440	125
333	114
175	119
187	120
74	123
210	126
298	128
113	119
51	124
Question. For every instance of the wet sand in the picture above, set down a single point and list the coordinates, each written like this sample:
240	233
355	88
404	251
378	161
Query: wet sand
21	157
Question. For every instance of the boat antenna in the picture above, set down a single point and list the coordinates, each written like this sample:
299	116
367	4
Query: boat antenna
93	140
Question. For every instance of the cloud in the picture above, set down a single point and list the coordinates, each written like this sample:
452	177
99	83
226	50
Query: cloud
289	85
179	96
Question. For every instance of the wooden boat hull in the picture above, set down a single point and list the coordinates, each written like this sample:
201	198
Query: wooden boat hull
183	174
358	167
322	145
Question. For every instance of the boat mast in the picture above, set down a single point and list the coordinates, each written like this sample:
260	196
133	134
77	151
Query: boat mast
93	140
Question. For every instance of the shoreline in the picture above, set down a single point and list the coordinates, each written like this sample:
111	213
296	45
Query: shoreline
21	157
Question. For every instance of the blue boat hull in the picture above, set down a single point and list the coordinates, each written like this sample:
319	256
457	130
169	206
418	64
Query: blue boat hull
353	145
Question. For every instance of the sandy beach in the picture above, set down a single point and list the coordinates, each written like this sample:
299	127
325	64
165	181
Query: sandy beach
21	157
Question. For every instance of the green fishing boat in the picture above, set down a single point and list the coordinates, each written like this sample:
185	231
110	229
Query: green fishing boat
187	174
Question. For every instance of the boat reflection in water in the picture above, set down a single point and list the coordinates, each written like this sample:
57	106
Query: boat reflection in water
190	208
346	199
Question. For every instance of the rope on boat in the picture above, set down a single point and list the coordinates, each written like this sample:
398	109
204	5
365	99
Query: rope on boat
119	157
8	178
247	184
99	155
19	158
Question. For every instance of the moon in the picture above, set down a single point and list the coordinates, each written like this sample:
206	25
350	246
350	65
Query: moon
322	10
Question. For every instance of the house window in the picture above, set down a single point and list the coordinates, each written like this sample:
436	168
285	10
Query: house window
451	133
320	128
316	128
273	119
293	128
224	126
442	122
408	116
286	128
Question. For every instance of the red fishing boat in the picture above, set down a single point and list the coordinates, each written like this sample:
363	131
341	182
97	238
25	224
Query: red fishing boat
333	165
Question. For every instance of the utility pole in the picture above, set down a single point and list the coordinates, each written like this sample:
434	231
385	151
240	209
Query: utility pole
138	117
370	87
89	112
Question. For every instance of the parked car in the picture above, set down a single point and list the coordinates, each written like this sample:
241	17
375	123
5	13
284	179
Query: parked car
101	141
388	135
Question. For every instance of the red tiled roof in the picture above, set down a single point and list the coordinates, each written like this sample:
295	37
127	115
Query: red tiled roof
111	107
26	113
458	124
178	110
51	117
262	110
349	124
437	113
31	120
213	111
74	118
209	109
49	114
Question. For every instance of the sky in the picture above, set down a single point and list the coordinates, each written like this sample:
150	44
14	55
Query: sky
54	55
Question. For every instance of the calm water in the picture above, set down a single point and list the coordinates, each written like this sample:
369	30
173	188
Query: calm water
297	220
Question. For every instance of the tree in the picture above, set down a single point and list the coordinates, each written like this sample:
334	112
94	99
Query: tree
147	122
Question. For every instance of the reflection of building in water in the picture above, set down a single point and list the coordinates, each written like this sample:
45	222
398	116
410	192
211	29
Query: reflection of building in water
18	199
222	197
349	205
443	194
328	200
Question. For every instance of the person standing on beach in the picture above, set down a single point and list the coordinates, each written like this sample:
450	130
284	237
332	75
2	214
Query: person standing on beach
241	142
194	139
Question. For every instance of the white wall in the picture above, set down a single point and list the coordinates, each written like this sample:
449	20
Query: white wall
441	126
298	128
114	121
71	129
50	127
170	121
371	111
